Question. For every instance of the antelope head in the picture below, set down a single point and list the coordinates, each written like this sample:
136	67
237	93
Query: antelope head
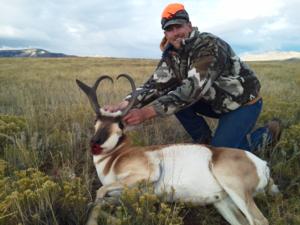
109	129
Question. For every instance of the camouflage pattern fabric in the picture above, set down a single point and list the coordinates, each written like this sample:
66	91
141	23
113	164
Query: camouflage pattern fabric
206	69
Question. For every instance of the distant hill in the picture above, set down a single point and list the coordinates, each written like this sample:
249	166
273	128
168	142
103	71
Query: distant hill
271	56
293	60
32	52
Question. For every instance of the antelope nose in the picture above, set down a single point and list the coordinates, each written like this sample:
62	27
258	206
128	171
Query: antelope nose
96	149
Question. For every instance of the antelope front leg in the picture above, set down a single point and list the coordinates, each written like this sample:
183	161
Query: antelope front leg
102	191
118	185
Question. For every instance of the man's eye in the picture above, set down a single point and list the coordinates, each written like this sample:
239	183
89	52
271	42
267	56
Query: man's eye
178	26
172	27
169	28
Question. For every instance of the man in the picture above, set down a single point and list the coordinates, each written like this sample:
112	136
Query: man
199	74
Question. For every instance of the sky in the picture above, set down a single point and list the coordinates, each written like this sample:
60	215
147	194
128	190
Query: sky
131	28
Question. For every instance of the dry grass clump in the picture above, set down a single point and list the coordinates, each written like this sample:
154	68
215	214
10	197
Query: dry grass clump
46	123
32	197
10	126
139	205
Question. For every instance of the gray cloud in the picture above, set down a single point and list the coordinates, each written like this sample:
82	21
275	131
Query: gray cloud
131	28
265	33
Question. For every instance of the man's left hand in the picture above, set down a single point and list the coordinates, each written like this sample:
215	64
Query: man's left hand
137	116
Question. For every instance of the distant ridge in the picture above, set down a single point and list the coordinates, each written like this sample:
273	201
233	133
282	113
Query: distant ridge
32	52
271	56
293	60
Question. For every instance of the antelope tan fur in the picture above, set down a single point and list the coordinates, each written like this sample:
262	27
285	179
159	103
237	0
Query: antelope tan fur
227	178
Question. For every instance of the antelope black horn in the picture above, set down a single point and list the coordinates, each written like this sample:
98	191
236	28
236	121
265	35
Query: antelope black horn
91	92
133	94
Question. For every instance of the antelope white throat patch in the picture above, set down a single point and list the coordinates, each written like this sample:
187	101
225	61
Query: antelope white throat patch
111	142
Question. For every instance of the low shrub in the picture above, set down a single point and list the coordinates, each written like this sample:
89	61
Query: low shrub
30	197
10	126
139	205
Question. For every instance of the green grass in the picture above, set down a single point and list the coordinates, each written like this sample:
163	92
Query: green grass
46	123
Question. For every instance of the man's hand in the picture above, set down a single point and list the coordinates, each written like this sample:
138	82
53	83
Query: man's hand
137	116
114	108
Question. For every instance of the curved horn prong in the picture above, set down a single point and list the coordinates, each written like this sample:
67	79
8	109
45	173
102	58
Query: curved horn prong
91	92
133	94
103	77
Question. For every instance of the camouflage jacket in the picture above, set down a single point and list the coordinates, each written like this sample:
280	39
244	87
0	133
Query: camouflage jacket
206	69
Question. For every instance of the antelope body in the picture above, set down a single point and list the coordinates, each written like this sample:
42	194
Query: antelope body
227	178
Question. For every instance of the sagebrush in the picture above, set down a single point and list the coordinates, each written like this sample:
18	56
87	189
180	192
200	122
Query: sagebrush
46	172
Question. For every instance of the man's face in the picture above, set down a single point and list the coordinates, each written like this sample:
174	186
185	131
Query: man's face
177	32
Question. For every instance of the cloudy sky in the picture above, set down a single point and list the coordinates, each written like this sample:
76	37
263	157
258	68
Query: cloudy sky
131	28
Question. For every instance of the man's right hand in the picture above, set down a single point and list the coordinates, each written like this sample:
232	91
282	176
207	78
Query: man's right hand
113	108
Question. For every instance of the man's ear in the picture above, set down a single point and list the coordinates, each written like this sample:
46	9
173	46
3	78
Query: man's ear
163	43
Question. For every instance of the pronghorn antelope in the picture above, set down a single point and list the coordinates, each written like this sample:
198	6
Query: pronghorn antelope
227	178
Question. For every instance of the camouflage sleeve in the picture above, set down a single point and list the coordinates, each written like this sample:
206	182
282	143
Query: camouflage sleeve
146	93
161	82
207	63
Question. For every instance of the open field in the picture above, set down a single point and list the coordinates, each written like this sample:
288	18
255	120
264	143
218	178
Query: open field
46	171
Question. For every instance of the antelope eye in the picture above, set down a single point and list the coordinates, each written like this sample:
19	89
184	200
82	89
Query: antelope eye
121	125
96	119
